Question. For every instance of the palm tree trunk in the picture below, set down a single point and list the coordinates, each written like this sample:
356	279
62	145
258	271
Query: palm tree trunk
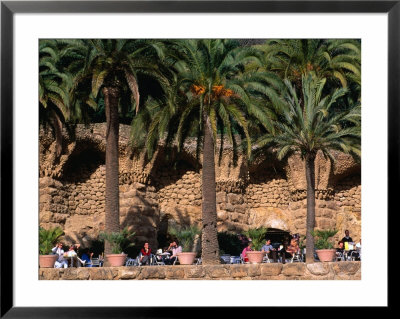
57	126
310	177
111	98
210	247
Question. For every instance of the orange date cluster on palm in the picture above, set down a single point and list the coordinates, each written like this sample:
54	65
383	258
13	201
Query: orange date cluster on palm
217	91
197	89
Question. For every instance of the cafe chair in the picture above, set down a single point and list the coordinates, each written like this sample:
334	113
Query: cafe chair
155	261
266	259
138	262
359	253
226	259
340	256
151	261
296	257
131	262
95	262
353	255
242	260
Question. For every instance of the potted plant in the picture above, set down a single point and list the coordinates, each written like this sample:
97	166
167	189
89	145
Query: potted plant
186	237
47	239
257	236
117	241
324	245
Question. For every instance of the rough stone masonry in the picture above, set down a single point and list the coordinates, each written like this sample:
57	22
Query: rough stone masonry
293	271
167	189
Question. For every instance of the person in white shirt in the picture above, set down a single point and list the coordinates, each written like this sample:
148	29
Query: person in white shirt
175	249
60	262
72	253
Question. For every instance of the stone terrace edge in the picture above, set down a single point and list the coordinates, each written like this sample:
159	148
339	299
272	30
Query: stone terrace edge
273	271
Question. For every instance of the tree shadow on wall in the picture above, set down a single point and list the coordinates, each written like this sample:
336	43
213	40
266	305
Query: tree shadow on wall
93	243
345	182
182	218
83	162
266	169
142	218
170	165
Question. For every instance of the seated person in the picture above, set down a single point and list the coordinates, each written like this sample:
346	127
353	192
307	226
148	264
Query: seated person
87	257
293	248
175	249
340	248
60	262
72	253
347	237
287	251
245	250
269	249
145	254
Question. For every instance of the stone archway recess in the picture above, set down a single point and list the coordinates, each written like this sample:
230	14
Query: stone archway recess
270	217
277	235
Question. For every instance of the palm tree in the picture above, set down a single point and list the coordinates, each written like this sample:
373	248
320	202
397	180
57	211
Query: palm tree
205	98
54	87
337	60
109	68
310	125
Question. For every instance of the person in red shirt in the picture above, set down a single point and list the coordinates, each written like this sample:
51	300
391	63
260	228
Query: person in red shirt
146	253
245	250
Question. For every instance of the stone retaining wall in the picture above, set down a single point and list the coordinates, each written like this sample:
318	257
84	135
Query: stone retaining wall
273	271
270	191
160	192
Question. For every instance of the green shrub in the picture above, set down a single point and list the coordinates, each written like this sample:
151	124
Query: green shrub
118	240
322	240
48	238
229	244
185	236
257	236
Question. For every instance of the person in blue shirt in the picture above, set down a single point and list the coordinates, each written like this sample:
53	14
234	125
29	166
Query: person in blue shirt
87	257
269	249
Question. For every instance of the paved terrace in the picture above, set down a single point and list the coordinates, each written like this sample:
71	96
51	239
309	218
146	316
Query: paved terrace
348	270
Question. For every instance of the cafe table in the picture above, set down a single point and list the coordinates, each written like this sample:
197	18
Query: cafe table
164	255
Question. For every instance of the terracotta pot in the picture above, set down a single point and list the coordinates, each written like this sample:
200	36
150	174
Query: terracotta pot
116	260
186	258
325	255
47	261
255	257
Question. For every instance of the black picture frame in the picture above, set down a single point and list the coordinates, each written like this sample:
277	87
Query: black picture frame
9	8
